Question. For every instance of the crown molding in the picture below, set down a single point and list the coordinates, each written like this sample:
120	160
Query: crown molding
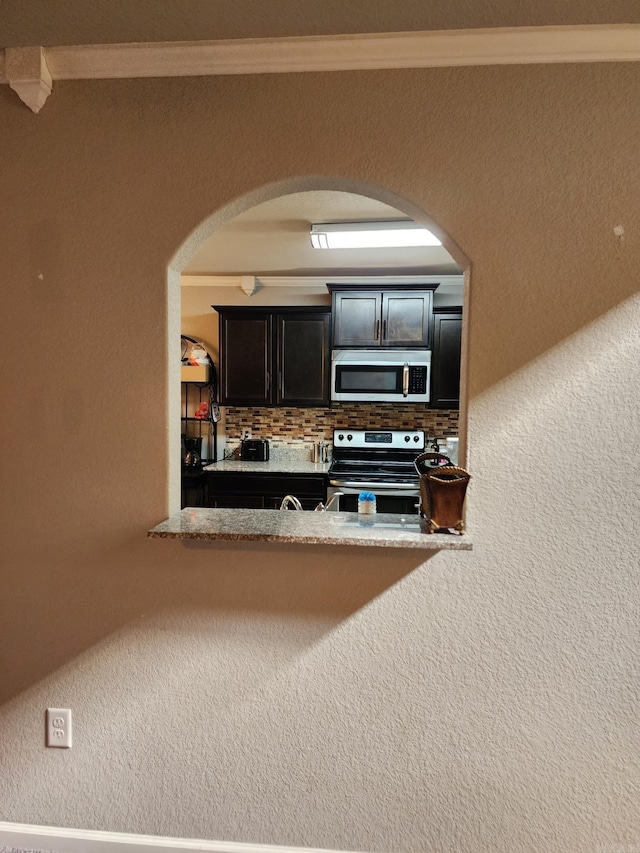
250	284
27	73
503	46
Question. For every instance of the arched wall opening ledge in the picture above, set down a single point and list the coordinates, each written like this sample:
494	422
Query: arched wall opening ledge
227	212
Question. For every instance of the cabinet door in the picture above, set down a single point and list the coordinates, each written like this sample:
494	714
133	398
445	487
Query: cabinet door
194	488
406	319
263	491
236	502
356	319
303	359
445	359
246	358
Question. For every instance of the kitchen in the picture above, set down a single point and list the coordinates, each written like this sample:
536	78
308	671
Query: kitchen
261	268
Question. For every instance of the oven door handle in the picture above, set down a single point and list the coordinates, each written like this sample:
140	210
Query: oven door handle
371	485
405	380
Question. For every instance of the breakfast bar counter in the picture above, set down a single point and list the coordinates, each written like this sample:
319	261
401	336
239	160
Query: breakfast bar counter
381	530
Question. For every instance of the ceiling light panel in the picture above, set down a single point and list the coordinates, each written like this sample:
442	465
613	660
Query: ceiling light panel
392	234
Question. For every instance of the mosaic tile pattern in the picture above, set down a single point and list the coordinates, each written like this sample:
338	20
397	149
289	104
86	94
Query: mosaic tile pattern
291	426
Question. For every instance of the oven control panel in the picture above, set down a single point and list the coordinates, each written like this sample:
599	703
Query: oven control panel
380	439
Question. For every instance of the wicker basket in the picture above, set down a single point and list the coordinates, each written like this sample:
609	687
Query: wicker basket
442	493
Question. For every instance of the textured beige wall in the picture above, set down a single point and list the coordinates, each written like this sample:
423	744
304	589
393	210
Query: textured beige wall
55	22
481	702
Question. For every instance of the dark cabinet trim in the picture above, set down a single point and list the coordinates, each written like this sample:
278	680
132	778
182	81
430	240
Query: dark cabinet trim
381	288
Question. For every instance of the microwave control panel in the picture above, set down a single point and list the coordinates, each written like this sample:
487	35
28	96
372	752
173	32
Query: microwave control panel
418	380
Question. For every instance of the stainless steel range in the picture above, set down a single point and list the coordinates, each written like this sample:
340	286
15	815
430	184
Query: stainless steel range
379	461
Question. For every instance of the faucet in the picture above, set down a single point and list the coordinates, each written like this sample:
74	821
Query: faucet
290	499
334	497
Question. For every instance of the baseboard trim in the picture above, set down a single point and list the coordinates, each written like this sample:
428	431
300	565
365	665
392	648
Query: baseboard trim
61	840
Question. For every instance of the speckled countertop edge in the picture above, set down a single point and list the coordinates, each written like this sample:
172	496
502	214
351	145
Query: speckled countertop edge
278	465
330	528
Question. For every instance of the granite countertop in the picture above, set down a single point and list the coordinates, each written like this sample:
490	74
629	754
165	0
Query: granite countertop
279	465
382	530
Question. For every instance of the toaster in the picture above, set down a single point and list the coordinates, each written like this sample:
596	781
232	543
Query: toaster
254	449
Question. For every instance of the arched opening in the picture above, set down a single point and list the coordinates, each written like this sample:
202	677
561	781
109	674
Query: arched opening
259	198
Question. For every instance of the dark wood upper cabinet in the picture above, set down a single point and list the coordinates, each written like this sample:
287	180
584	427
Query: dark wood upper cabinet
357	319
303	358
406	319
274	357
445	359
398	316
246	357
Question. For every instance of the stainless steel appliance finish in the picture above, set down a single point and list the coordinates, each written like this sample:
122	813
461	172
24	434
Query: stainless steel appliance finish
379	461
320	451
380	376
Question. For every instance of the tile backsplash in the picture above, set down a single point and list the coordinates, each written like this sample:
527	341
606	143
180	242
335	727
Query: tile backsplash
291	426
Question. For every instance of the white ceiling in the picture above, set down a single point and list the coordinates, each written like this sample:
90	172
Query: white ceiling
273	239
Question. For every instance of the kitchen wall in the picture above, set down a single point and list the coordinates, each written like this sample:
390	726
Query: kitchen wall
482	701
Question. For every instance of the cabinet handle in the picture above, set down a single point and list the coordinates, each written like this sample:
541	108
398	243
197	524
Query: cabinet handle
280	383
384	330
268	381
377	335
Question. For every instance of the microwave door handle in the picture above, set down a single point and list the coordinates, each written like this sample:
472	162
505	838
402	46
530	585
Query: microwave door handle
405	380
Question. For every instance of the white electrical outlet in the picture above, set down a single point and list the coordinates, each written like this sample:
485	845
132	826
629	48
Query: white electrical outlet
59	727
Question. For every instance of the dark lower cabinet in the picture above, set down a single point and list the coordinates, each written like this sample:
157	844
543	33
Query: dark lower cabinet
445	358
274	357
396	504
263	491
194	487
240	501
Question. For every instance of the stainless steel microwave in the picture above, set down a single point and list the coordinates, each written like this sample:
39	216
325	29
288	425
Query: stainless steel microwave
380	376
